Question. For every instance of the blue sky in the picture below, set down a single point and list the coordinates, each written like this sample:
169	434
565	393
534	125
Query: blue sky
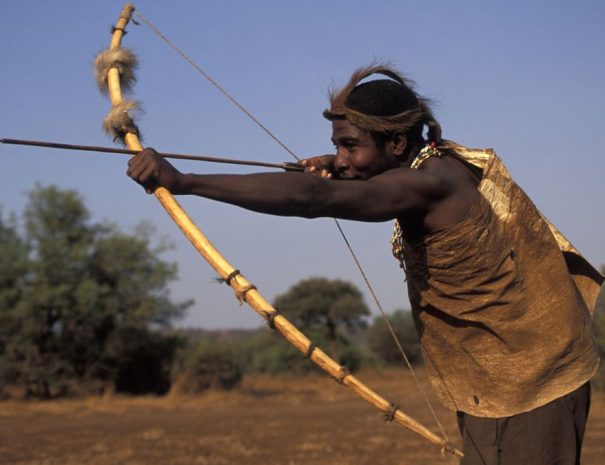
526	78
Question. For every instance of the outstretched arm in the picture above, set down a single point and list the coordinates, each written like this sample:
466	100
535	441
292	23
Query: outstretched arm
381	198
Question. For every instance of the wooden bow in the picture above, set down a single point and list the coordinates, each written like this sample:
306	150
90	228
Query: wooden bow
244	290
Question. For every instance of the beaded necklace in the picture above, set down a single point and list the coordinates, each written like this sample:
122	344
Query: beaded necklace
397	239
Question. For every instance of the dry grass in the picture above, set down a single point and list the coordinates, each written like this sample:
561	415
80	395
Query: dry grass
270	420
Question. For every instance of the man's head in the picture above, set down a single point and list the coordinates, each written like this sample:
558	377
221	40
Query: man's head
385	108
359	155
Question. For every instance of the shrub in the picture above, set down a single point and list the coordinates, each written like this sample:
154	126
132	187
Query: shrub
207	365
381	342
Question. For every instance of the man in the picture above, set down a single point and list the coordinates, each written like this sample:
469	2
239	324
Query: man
502	302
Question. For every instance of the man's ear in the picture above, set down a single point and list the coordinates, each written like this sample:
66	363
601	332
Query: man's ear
399	142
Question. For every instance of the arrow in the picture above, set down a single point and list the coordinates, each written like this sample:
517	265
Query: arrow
179	156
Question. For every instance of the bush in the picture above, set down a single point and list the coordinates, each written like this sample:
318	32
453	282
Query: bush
381	342
269	352
140	360
207	365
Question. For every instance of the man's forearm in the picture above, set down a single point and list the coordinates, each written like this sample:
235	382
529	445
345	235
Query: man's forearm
284	194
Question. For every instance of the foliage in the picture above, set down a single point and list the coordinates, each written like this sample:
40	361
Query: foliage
205	365
140	361
327	305
380	340
73	294
267	352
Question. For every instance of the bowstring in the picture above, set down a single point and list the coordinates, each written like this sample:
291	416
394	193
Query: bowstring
235	102
212	81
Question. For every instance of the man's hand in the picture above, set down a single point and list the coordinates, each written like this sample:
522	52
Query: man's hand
321	165
151	171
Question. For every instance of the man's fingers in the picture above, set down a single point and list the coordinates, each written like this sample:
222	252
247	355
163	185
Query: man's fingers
143	173
323	173
149	175
132	171
136	164
147	168
321	165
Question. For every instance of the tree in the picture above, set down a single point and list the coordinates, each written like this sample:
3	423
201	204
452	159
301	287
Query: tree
207	364
322	303
14	267
79	288
381	341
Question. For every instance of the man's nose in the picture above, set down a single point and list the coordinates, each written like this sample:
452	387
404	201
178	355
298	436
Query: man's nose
341	162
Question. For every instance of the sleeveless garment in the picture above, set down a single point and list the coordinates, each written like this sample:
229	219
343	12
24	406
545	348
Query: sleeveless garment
502	301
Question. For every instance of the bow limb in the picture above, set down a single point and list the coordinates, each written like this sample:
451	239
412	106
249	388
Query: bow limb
247	292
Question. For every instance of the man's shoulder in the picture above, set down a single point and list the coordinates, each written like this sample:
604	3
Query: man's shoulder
478	157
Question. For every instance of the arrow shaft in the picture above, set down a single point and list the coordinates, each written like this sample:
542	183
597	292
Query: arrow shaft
179	156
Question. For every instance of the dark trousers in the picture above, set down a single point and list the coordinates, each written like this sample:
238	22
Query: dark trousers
549	435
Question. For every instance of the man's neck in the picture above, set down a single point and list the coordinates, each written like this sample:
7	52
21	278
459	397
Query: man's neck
412	152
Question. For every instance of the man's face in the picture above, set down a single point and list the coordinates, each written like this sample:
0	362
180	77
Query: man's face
357	154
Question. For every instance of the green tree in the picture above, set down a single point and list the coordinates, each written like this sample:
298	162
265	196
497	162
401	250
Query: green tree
380	340
268	352
80	287
207	364
14	269
328	304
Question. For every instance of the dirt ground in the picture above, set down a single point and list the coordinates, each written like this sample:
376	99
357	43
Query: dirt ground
269	421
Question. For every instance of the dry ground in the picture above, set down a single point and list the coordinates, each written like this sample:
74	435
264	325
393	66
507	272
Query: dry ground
269	421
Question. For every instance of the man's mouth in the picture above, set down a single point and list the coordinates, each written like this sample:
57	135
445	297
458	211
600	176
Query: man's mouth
345	176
